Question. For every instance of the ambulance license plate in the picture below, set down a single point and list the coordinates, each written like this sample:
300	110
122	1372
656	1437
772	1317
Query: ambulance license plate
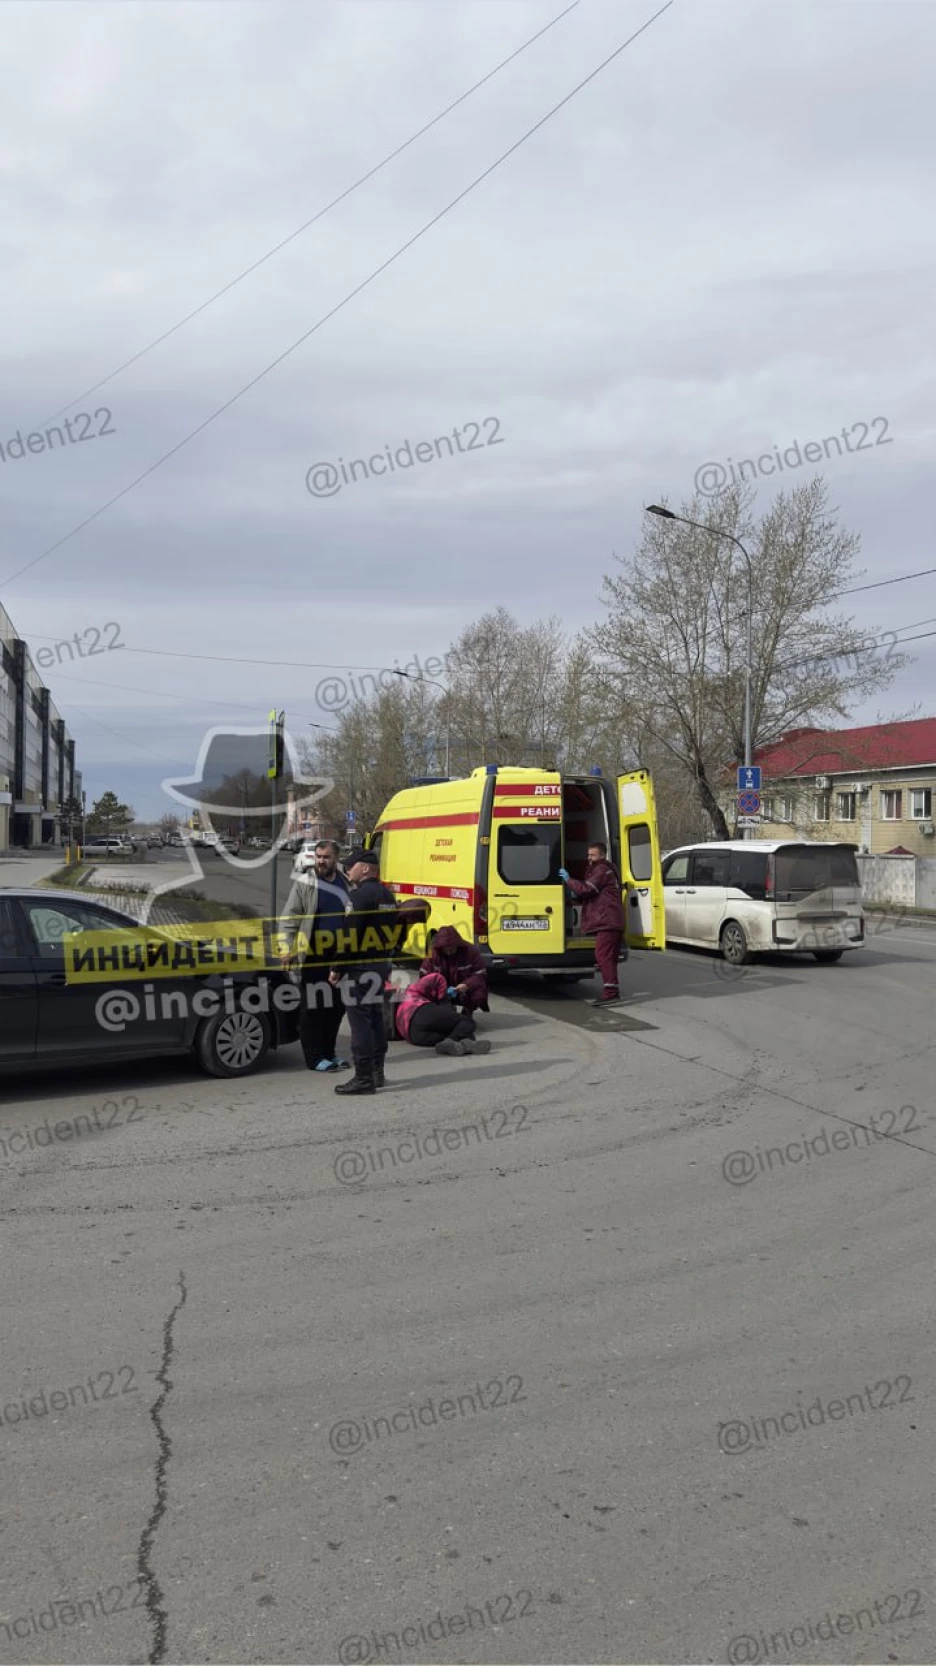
538	923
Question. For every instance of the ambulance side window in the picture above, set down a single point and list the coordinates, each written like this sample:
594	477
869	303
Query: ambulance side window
640	853
528	855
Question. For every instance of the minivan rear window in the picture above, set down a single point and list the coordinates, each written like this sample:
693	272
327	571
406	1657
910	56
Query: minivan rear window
529	855
799	870
748	873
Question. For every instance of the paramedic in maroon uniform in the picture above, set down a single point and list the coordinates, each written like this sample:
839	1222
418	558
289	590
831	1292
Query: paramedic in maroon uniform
603	914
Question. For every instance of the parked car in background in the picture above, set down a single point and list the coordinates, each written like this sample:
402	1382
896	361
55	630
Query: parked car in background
97	846
305	859
46	1022
764	896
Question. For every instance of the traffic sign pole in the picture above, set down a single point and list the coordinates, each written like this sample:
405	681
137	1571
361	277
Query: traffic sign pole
274	771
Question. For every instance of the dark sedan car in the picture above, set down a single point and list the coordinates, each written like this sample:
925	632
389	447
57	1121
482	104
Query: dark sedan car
46	1020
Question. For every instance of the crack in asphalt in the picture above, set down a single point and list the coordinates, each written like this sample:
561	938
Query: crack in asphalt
154	1594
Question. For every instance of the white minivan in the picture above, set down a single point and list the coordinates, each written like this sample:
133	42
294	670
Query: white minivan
764	896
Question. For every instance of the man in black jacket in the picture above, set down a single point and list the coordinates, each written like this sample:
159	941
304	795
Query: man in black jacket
373	919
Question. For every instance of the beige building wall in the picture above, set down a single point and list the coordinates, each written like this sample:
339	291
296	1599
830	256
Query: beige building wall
868	827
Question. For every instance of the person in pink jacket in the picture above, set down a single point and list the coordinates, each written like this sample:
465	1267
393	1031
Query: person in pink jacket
427	1018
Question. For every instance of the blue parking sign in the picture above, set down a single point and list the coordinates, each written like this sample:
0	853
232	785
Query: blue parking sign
749	778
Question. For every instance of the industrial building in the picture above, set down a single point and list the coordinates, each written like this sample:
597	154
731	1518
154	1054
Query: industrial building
37	755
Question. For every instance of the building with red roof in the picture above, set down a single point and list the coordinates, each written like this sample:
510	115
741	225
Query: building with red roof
873	786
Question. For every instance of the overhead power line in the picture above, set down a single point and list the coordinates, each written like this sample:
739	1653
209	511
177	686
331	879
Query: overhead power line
227	659
342	197
364	284
901	579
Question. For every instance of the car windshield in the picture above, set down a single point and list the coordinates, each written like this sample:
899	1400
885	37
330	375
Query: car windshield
802	869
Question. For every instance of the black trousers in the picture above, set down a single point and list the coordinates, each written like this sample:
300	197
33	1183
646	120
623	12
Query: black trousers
365	1008
438	1022
319	1019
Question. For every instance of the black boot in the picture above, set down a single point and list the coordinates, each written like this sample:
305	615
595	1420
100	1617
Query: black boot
361	1082
379	1076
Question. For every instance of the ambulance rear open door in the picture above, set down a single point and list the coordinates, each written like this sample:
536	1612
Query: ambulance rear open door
640	862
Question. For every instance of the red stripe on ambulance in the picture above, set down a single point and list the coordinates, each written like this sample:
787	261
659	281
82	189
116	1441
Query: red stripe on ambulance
542	789
467	818
458	893
529	812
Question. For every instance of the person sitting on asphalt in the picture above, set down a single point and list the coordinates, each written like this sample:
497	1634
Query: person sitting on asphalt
426	1017
462	967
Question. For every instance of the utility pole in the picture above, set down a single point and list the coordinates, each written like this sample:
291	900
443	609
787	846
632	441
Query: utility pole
274	773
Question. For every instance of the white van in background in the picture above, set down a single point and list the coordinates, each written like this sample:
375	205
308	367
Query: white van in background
763	896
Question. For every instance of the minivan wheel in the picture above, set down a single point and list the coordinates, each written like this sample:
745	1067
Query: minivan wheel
233	1043
734	944
827	956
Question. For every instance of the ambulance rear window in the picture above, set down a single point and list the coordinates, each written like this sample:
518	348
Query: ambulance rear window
529	855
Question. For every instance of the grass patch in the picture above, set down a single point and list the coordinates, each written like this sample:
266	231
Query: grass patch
64	879
191	909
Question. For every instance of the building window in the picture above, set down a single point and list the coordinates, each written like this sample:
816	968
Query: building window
767	809
892	806
845	806
784	807
822	806
921	804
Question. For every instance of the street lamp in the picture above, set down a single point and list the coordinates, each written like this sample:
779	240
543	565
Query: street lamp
448	720
329	731
720	532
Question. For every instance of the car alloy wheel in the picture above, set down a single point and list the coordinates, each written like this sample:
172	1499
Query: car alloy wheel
734	945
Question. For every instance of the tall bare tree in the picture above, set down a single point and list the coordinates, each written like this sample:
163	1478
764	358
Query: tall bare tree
673	644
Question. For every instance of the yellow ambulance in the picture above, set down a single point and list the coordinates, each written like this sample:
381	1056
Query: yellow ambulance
486	852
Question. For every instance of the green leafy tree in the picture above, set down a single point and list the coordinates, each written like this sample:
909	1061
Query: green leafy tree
108	816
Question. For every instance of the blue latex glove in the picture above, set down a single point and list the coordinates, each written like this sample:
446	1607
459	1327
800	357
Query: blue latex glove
451	990
564	875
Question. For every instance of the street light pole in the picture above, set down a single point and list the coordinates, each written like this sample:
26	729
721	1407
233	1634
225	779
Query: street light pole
720	532
448	719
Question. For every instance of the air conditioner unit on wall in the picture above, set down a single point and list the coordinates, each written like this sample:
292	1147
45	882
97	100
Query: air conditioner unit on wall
927	829
859	787
823	781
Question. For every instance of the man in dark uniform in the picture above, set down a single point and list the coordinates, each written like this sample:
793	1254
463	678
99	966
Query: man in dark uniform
373	905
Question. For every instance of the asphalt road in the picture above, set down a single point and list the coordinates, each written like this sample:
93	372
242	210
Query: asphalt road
556	1389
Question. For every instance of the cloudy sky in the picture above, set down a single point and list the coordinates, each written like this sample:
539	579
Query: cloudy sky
723	243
